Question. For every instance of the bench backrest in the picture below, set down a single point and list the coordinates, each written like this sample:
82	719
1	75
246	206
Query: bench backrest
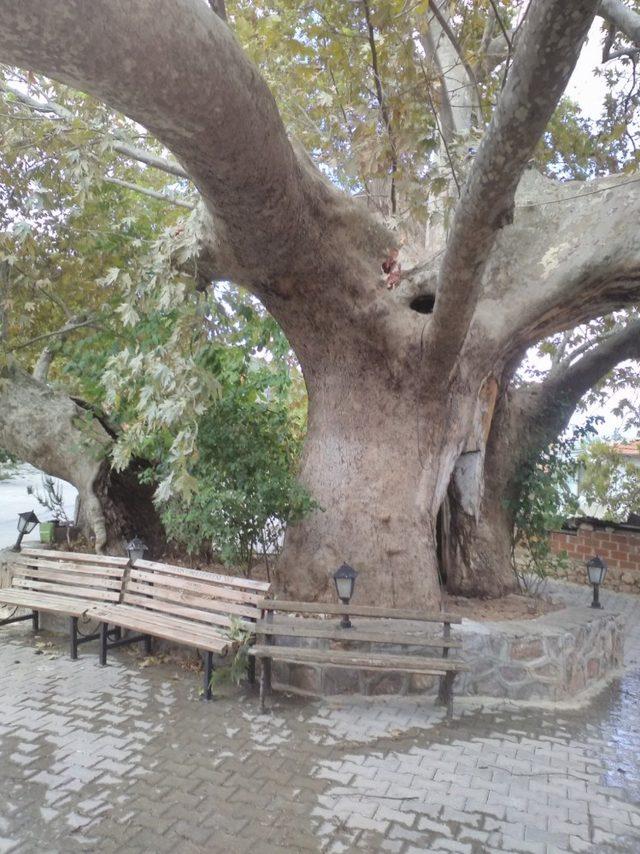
371	632
203	597
358	611
71	574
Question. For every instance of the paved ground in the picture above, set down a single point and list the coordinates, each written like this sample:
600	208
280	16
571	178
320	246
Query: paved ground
126	759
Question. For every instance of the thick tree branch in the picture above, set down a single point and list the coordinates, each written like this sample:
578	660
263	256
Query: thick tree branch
436	11
177	69
574	380
569	256
459	95
43	365
382	103
547	51
622	18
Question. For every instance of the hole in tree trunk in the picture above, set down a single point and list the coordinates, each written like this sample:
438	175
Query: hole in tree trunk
423	304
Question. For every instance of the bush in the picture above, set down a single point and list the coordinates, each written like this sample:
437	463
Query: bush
547	497
245	487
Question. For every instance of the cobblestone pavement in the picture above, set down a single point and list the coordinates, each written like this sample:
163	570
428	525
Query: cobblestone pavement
125	758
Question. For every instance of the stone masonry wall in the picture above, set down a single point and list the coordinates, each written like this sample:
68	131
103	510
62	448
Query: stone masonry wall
619	549
553	657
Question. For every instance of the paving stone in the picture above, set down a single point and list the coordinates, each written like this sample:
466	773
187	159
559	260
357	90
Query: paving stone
123	759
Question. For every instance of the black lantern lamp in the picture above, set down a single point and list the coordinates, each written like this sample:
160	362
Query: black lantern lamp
596	570
136	550
345	579
26	524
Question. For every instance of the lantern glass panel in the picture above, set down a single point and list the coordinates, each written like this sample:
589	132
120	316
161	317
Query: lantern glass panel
27	522
345	579
136	549
596	569
344	587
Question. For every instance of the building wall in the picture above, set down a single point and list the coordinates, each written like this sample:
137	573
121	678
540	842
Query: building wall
620	550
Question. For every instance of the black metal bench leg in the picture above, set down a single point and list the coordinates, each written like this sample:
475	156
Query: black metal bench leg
148	644
251	670
73	638
445	693
208	673
35	617
104	636
265	681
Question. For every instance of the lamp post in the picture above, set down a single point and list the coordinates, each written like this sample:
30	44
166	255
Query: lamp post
345	580
596	571
136	549
26	523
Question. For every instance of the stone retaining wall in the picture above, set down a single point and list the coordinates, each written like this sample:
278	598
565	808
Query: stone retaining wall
553	657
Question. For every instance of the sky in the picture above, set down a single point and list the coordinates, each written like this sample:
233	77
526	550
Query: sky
584	87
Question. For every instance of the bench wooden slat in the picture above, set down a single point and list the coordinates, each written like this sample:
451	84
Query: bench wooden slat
205	617
173	594
88	593
364	660
106	560
356	611
44	602
79	569
214	589
204	575
315	629
169	628
209	596
77	579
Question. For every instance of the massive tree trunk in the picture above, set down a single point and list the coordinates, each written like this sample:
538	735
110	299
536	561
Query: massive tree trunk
480	536
371	465
396	397
64	439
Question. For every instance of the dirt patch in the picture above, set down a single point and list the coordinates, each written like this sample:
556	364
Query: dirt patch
511	607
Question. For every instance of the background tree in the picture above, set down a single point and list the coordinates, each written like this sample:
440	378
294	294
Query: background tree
609	480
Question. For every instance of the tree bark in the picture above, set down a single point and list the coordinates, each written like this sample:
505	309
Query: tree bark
479	553
371	472
62	438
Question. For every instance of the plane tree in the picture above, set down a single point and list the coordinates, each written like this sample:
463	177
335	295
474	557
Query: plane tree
404	342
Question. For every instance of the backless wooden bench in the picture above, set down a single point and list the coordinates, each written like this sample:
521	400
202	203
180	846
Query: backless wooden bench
267	632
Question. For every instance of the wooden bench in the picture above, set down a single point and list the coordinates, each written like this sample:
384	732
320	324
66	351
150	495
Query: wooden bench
267	651
183	605
155	599
62	583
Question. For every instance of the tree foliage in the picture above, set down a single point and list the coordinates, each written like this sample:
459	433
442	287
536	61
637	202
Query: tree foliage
546	497
609	480
244	484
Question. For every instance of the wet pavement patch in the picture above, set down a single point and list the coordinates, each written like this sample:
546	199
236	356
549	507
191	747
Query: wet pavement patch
128	759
